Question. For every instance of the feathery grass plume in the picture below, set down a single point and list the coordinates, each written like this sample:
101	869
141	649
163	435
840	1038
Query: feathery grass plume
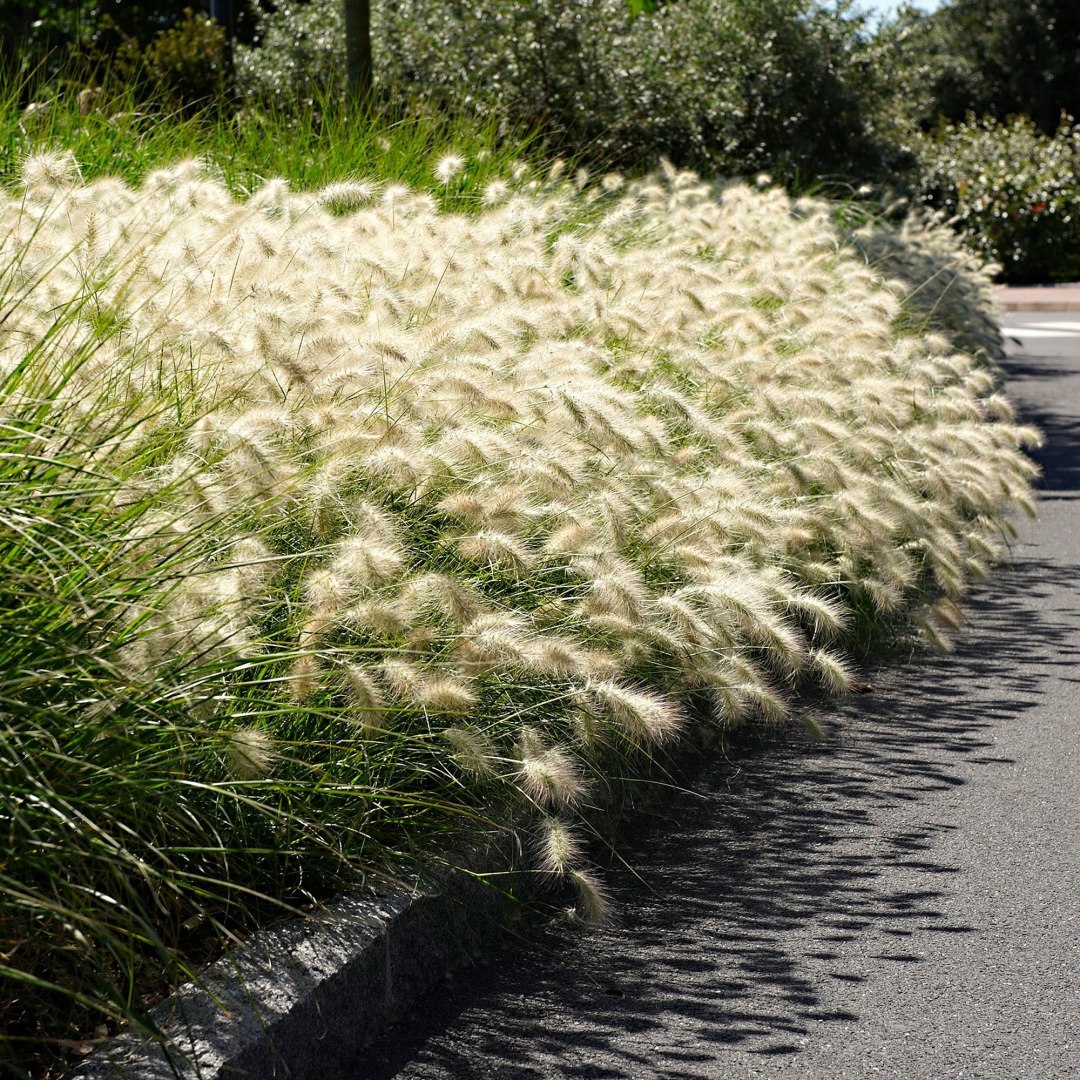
440	596
250	753
561	850
495	192
614	587
496	550
593	903
947	613
495	638
445	694
366	701
576	537
304	677
367	561
448	168
45	173
466	506
548	774
254	566
730	706
554	656
404	679
832	670
377	618
614	447
933	634
646	718
764	700
472	751
327	591
347	196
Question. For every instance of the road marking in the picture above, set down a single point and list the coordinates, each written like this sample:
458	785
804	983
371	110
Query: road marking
1058	330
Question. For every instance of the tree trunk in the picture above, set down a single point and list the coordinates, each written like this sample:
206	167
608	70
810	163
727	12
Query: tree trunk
221	11
358	48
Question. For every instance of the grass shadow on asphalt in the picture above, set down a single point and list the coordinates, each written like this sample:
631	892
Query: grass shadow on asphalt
744	902
1035	385
744	894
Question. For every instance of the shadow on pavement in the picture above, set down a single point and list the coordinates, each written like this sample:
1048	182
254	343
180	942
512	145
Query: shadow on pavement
750	885
1058	458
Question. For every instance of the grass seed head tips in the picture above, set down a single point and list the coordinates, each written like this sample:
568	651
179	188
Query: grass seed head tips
448	167
548	774
250	753
427	517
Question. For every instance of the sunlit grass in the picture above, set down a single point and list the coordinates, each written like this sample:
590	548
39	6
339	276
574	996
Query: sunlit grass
339	525
115	133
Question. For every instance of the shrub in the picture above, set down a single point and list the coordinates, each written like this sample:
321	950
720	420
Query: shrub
54	43
729	86
996	58
1013	192
187	63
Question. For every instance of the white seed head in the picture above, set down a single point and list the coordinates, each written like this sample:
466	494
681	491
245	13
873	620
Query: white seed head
645	717
448	167
548	774
593	903
560	848
250	753
473	751
366	700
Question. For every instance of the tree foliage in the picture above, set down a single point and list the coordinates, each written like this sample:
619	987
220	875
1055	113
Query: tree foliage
722	85
42	42
996	58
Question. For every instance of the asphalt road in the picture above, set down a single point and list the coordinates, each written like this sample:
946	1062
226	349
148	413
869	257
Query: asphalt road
901	899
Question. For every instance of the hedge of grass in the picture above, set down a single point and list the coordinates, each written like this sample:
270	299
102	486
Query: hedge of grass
340	525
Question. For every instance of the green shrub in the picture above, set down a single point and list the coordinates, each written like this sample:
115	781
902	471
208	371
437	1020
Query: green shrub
995	58
1014	193
187	63
728	86
149	46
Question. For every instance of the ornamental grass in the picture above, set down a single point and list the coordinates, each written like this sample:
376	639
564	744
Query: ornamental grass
340	528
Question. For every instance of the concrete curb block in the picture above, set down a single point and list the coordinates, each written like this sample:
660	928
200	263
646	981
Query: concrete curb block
304	997
1018	298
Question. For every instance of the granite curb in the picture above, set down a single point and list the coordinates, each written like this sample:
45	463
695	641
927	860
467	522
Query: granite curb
304	997
1020	298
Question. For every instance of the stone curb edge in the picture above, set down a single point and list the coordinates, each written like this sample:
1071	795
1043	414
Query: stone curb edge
304	997
1049	298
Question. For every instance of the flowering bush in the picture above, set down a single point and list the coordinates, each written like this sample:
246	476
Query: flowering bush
1013	192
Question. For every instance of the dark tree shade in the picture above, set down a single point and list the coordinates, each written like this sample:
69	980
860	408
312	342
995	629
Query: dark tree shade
221	11
29	30
358	47
1022	56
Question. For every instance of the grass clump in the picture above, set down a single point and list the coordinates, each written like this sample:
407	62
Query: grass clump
113	132
358	524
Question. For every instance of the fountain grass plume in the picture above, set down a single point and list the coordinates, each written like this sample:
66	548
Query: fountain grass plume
376	521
